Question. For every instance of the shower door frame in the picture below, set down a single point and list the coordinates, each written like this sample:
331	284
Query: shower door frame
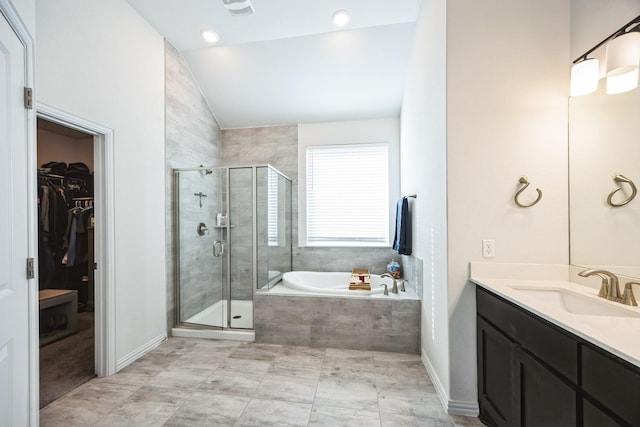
176	231
254	242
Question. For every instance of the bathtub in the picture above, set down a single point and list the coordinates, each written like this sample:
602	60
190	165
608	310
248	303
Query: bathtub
317	309
331	283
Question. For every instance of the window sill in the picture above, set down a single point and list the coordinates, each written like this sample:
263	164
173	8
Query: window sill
345	245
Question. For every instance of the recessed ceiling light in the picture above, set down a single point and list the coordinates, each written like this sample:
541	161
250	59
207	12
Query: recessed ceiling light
210	36
341	17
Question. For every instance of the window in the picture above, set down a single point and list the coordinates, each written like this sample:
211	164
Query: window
347	195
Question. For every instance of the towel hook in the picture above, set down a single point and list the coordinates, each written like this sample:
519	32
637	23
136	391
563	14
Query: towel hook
525	181
619	179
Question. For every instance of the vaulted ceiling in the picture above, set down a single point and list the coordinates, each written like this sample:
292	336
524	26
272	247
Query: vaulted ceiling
288	63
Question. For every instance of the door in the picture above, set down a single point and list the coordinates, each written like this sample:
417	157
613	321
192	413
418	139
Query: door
14	237
201	246
495	376
543	398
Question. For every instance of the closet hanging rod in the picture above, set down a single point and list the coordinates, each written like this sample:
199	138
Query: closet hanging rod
49	175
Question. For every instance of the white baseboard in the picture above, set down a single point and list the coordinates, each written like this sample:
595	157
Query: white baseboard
453	407
140	351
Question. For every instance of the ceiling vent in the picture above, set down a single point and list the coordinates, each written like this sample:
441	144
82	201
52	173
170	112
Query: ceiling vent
239	7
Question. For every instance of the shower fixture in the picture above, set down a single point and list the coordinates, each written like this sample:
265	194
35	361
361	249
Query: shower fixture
201	195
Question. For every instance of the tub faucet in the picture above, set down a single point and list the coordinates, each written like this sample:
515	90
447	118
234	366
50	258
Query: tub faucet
394	289
609	288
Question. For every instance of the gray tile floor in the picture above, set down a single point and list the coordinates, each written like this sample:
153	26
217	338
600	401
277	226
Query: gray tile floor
192	382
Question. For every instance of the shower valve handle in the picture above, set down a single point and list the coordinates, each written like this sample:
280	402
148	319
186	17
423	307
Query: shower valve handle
218	248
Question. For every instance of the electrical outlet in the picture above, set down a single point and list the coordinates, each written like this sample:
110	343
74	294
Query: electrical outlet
488	248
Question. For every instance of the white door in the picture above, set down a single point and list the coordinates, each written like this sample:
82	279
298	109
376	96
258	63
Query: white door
14	237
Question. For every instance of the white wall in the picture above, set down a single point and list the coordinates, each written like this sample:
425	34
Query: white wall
101	61
594	20
506	116
27	11
424	164
55	147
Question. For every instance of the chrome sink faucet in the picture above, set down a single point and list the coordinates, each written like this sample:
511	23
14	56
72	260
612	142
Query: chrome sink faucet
394	289
609	289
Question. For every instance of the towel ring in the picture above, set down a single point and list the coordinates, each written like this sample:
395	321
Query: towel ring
619	179
525	181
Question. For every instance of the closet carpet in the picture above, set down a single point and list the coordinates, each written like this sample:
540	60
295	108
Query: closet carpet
67	363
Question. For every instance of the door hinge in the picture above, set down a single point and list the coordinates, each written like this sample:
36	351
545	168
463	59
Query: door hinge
31	271
95	265
28	98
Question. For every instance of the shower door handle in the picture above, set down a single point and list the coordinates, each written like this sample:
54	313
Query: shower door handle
218	248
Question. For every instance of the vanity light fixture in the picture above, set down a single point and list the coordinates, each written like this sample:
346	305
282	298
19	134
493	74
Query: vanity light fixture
623	58
341	17
584	77
623	54
621	64
210	36
622	82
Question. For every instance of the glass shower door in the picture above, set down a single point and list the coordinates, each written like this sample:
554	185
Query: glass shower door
201	246
241	247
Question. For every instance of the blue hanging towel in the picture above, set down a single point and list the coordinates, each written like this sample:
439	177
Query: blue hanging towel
402	238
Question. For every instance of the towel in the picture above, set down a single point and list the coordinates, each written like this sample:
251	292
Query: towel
402	238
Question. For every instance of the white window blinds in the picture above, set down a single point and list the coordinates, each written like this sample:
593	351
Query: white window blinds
348	195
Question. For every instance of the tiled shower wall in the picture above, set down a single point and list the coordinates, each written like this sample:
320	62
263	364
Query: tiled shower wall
278	146
192	139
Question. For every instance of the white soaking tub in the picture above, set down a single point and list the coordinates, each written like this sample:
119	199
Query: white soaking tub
334	283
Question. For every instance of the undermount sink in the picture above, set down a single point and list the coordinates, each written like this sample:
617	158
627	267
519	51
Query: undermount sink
575	303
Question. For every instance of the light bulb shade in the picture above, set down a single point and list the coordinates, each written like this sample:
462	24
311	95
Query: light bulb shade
584	77
622	83
623	54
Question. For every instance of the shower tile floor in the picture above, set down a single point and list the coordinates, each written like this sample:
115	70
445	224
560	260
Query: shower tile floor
195	382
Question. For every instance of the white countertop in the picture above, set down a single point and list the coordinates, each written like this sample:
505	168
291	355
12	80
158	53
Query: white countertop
618	335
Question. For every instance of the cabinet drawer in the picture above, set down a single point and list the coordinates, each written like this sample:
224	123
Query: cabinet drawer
541	338
613	382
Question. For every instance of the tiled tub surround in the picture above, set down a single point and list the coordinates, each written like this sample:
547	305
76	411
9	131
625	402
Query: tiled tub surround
377	322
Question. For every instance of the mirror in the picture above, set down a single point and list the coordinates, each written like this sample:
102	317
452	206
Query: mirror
604	140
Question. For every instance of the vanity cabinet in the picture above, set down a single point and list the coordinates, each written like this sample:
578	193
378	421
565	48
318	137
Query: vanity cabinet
533	373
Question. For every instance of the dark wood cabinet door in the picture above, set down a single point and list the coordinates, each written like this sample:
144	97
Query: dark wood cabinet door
594	417
495	376
543	398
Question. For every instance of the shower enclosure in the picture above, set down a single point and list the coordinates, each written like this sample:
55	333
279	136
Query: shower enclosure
233	237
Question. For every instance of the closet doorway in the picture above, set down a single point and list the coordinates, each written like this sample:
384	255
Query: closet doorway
66	259
75	161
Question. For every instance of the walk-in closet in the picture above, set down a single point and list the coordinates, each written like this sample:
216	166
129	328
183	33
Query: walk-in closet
66	225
